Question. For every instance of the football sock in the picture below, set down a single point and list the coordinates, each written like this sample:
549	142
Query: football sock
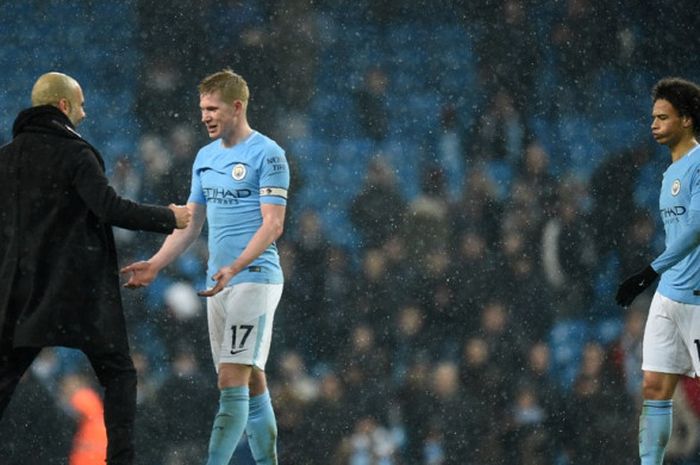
262	430
229	424
654	430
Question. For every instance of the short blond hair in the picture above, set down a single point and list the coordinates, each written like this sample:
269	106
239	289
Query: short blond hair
232	86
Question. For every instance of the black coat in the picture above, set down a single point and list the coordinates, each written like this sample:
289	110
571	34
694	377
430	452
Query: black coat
59	280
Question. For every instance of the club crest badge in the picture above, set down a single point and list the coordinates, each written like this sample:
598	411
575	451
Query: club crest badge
676	187
238	172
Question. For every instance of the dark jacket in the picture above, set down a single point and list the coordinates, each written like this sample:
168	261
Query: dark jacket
59	281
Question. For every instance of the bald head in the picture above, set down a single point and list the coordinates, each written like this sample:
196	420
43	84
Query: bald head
61	91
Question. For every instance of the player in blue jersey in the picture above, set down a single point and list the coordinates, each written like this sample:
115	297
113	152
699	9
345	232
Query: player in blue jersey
239	185
671	345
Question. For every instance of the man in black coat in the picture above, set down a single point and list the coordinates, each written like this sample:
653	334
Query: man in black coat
59	282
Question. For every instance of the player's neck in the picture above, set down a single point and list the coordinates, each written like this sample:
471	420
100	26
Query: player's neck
240	134
684	146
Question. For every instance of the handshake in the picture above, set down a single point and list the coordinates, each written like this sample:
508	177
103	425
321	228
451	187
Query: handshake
182	215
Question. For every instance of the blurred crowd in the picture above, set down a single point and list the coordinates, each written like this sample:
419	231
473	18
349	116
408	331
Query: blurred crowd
470	318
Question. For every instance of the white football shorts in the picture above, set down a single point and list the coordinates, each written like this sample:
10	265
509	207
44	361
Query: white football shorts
672	337
240	323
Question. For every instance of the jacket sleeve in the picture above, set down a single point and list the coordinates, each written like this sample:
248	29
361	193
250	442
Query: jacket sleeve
93	187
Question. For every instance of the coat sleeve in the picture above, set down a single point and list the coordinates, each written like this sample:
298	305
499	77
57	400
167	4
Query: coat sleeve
93	187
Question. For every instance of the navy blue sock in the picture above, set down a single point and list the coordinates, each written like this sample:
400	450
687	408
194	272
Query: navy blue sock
262	430
228	425
654	430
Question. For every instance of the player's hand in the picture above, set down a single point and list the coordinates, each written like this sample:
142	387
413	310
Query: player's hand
631	287
222	277
182	215
142	274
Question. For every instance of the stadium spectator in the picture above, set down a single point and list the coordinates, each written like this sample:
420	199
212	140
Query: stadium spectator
413	396
378	210
498	136
90	440
374	293
311	255
371	443
581	47
372	106
510	52
455	414
600	402
473	270
614	207
479	208
568	257
185	391
331	423
450	152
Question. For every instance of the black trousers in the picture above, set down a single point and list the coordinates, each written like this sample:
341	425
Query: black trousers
115	372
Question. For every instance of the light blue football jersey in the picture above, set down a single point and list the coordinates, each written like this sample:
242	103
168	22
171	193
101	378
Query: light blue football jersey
679	204
232	183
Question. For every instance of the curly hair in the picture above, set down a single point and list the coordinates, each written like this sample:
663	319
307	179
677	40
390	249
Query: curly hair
683	95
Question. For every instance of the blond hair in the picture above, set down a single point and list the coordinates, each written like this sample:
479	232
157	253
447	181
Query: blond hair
232	86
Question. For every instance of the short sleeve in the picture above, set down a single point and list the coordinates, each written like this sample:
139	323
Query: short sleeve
694	203
196	193
274	177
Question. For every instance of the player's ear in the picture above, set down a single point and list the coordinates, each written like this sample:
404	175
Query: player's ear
64	105
687	121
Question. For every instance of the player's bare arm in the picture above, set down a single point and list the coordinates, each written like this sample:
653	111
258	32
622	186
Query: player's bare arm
143	273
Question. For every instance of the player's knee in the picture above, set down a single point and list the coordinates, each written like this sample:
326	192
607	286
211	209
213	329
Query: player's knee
654	388
233	375
225	382
257	383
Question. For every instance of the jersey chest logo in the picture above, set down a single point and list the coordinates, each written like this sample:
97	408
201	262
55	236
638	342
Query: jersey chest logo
676	187
238	172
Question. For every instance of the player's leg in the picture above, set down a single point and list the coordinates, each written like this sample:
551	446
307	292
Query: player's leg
656	420
230	337
13	364
240	327
117	375
664	357
262	424
659	386
232	416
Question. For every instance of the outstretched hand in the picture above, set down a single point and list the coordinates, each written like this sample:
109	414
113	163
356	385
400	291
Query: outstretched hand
222	277
142	274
